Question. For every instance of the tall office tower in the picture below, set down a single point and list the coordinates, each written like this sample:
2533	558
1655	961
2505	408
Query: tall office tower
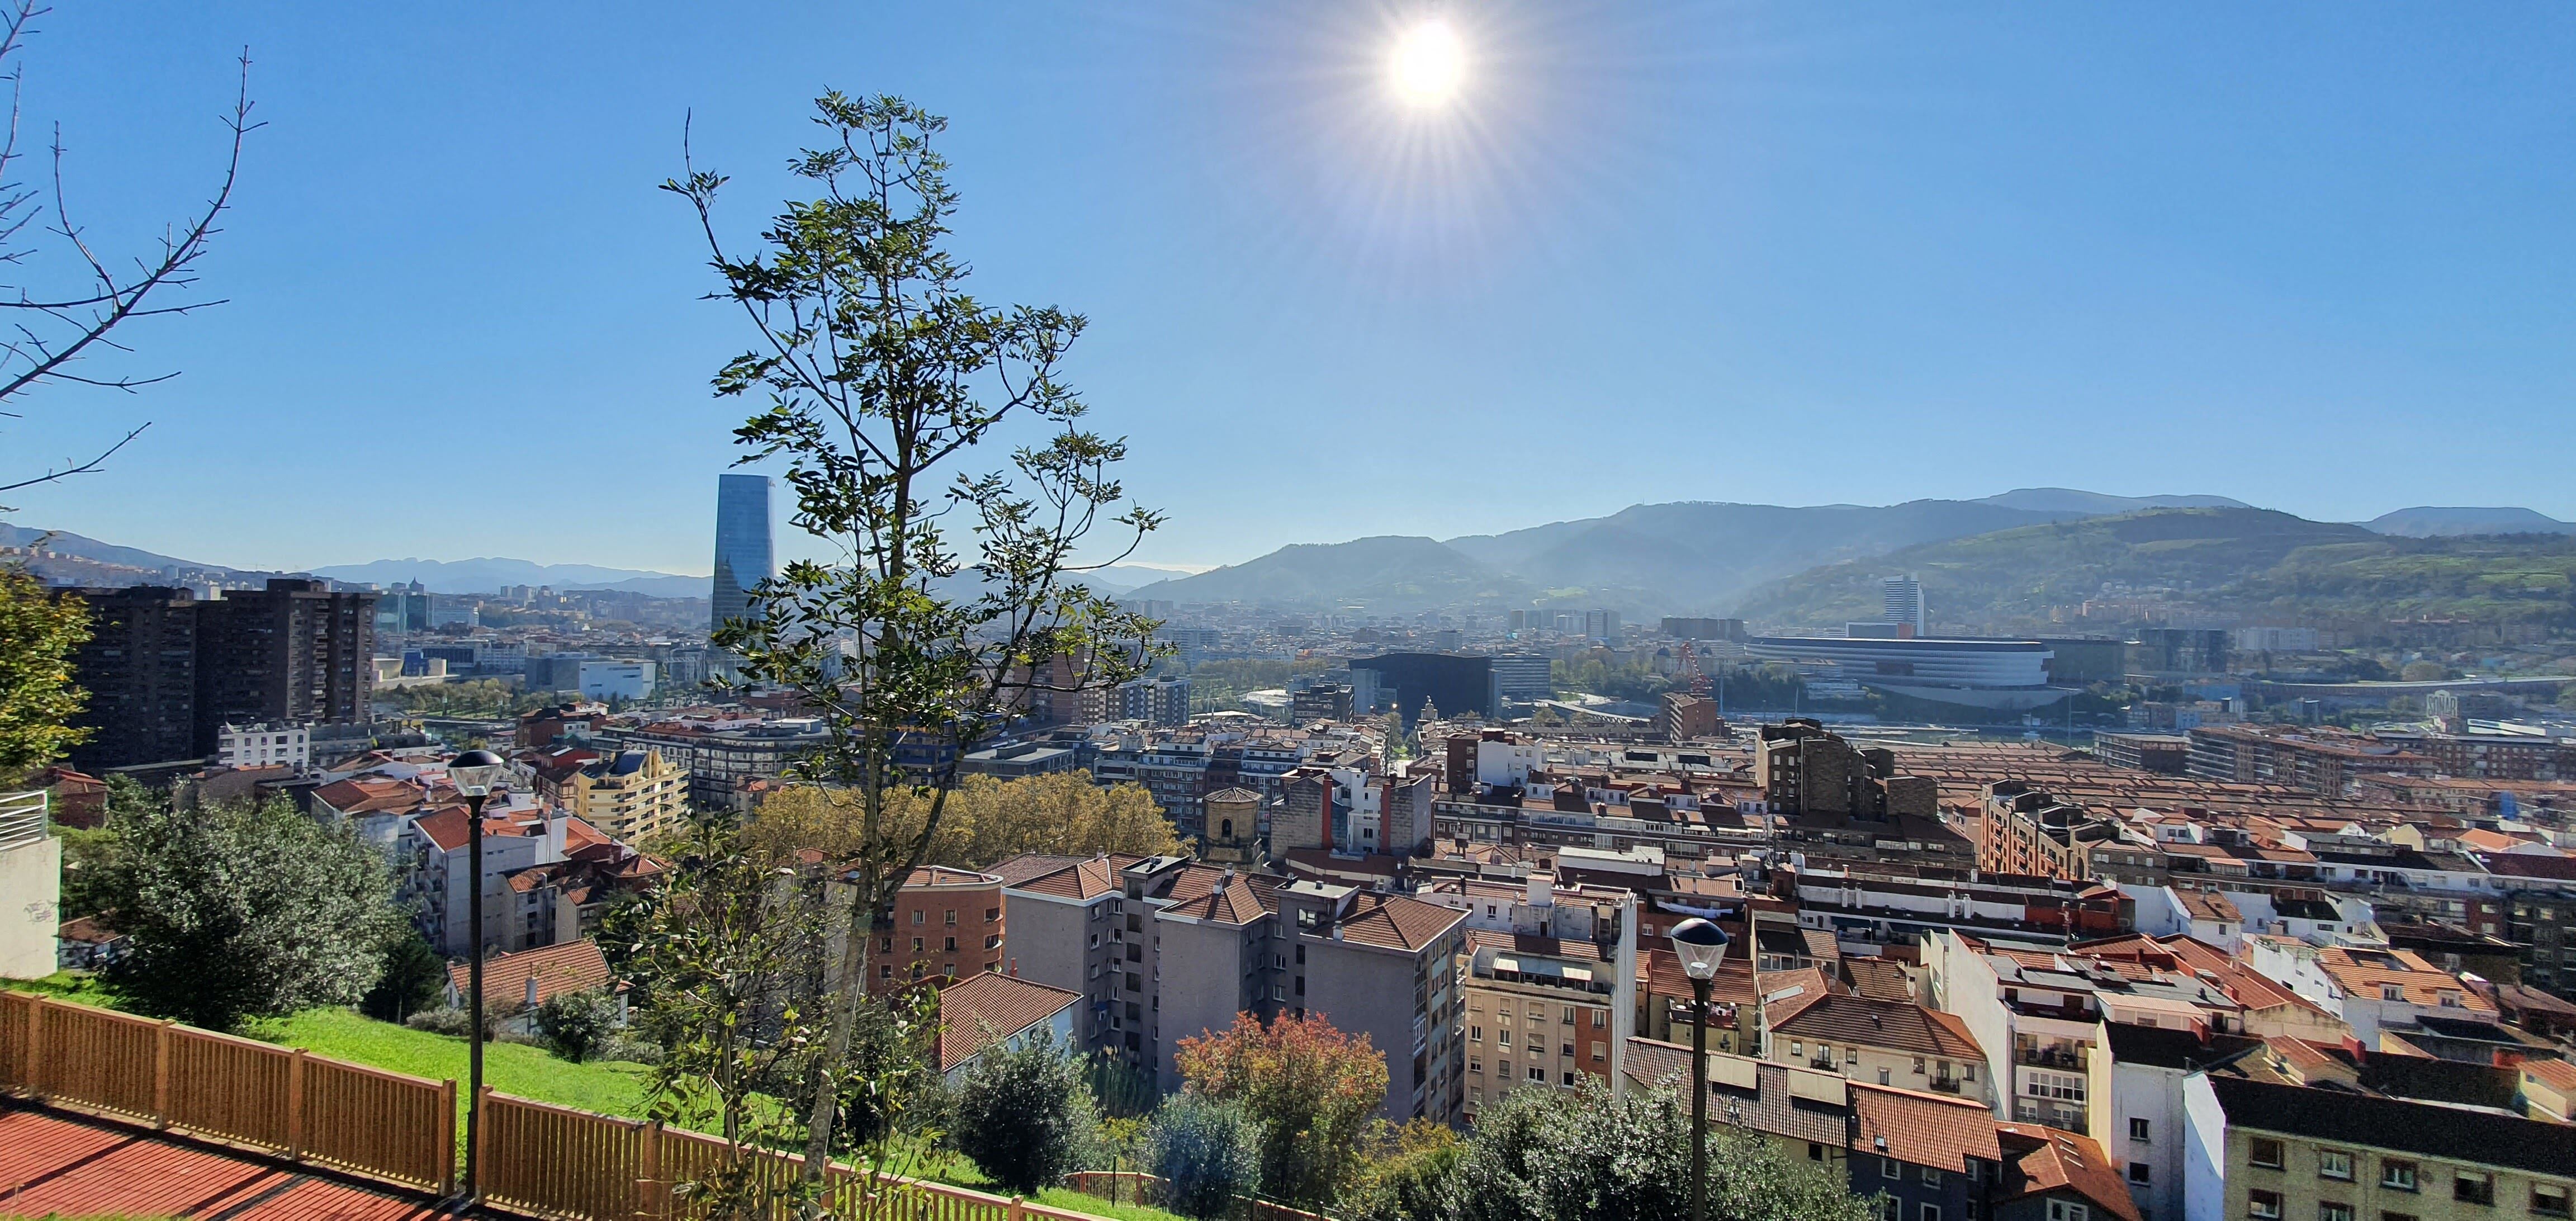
140	668
1905	603
743	556
295	651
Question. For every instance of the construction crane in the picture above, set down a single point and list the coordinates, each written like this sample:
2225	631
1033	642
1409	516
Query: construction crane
1690	669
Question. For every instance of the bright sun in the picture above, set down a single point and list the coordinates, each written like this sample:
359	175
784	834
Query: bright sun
1429	64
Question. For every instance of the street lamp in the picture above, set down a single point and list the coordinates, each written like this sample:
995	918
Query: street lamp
473	773
1701	946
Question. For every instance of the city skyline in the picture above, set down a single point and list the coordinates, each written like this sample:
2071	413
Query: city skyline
2315	234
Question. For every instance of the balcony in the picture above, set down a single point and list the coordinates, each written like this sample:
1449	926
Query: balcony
1945	1085
2061	1057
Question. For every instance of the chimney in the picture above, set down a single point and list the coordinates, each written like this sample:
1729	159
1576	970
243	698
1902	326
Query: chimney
532	989
1542	889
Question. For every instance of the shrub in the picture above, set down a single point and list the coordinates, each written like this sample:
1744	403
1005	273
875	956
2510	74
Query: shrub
576	1023
1207	1151
1025	1114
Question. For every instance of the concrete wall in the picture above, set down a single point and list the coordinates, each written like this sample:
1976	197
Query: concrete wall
1365	990
2204	1152
31	881
1205	989
1049	943
2154	1094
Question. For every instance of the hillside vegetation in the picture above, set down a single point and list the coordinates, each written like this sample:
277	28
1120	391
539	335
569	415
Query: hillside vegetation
2234	561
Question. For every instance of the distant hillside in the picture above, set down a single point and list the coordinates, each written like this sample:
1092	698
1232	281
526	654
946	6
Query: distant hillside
2235	561
2069	500
490	574
2438	522
1387	572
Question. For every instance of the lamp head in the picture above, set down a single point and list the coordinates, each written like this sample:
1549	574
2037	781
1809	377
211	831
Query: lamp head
1701	946
475	771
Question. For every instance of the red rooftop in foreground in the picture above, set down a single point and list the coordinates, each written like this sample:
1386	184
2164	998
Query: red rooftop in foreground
52	1163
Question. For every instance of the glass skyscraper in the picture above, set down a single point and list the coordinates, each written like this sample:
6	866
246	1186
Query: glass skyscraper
743	557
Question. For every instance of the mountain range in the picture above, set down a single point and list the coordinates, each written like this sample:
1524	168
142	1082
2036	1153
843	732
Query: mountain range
489	574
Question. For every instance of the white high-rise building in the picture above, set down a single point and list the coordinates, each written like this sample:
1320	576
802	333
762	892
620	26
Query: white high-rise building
1904	603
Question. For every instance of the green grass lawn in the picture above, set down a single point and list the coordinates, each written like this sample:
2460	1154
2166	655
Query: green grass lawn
512	1068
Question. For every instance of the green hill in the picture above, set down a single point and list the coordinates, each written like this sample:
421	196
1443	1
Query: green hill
2226	561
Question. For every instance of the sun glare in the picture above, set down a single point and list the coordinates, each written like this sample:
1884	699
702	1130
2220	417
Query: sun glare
1429	64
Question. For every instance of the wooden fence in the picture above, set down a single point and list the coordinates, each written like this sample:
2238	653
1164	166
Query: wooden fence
556	1162
278	1100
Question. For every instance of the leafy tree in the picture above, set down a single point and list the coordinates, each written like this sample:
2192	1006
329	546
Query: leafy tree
883	383
39	632
1207	1151
2424	672
413	977
1581	1155
1025	1113
1409	1177
1310	1087
576	1023
985	820
88	853
242	910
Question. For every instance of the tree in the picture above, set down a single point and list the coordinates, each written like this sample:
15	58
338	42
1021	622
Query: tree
54	329
1207	1152
39	632
1580	1155
578	1022
1408	1178
2424	672
2567	696
1025	1113
244	910
1310	1087
985	820
412	978
956	585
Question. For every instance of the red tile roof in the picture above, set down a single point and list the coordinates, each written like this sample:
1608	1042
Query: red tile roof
1922	1129
1898	1025
2054	1160
986	1008
1395	922
574	966
1082	880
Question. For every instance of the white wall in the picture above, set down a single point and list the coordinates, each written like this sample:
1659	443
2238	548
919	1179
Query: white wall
2204	1152
31	882
2154	1094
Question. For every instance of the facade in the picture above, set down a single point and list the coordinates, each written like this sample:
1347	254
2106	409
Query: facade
31	876
1522	677
2165	754
2029	833
609	679
1155	701
947	925
743	555
1683	716
630	795
293	652
1320	702
2262	1151
264	745
140	669
2040	1026
547	877
1449	682
719	758
1997	675
1902	600
1567	1002
1891	1043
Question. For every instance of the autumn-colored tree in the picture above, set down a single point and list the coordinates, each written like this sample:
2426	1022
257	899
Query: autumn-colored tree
986	820
1310	1086
39	632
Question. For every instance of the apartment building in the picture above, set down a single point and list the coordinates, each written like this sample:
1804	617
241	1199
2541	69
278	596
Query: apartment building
2032	834
2370	989
2036	1018
1545	1011
630	796
547	877
1059	910
947	924
2262	1151
1888	1043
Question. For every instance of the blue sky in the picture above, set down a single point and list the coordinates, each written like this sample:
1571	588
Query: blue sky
2315	257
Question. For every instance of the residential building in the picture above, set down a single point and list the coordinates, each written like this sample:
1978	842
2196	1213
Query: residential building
264	744
1155	701
2163	753
719	756
743	555
947	925
1059	911
293	652
2029	833
2264	1151
2370	989
1320	701
515	984
1522	677
1891	1043
2149	1066
988	1010
31	875
1683	716
1902	601
2037	1019
1547	1011
547	877
139	666
630	795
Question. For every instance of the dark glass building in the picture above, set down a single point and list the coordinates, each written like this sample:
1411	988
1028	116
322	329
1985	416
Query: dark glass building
743	556
1452	683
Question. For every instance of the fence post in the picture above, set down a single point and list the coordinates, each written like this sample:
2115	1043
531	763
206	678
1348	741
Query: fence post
648	1188
161	1073
447	1138
1019	1208
36	1060
482	1150
295	1106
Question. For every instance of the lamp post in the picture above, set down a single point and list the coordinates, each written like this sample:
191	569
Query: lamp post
473	773
1701	946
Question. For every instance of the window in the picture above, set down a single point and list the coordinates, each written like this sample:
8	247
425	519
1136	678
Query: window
1502	1038
1931	1176
1796	1049
1569	1017
2548	1200
1918	1066
2263	1205
2473	1187
1537	1073
1882	1077
2263	1151
2138	1131
916	945
1600	1018
1889	1168
2068	1210
2396	1174
952	916
2140	1173
1568	1051
1815	1152
1475	1034
1600	1051
2334	1164
992	915
1569	1079
950	947
918	916
1475	1065
2329	1210
2392	992
2389	1216
1931	1212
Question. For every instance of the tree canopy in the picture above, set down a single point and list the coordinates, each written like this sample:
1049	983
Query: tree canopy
985	820
39	632
1310	1087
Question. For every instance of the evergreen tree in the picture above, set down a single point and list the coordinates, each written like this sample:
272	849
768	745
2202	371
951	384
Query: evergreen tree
413	978
1025	1113
1208	1152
